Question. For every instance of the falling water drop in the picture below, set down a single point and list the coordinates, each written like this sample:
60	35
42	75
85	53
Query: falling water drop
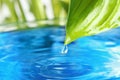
64	49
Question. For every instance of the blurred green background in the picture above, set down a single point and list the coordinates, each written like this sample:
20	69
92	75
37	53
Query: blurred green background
25	14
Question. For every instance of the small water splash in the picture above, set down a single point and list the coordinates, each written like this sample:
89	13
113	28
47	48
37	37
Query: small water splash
64	50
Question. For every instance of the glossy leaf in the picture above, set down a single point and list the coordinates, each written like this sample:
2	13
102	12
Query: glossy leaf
90	17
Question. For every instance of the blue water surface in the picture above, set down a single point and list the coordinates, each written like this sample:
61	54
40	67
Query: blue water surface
35	54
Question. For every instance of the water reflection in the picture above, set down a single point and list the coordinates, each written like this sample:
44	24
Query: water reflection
36	55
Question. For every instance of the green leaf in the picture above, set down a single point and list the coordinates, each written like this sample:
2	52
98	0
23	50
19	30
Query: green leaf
0	4
38	9
65	4
90	17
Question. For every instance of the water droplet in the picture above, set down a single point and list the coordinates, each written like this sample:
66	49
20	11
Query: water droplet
64	49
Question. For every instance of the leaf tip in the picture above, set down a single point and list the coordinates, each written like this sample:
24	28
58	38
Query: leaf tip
67	40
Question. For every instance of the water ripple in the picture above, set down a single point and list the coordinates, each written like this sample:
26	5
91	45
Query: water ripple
36	55
59	69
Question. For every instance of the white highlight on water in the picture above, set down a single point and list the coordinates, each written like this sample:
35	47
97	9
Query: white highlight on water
114	62
64	49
